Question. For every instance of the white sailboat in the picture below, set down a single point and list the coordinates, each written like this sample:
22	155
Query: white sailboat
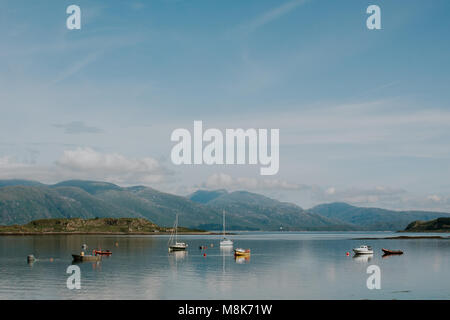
174	245
225	242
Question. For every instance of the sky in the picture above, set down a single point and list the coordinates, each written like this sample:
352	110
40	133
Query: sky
364	115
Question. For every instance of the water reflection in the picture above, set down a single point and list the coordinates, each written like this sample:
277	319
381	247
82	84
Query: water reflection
242	259
284	266
363	258
178	255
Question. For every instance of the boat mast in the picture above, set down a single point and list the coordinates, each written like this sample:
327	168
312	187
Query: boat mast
224	223
176	229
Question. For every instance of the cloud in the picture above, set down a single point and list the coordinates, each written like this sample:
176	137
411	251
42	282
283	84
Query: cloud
9	163
88	164
112	166
76	127
434	198
272	15
358	196
221	180
76	67
381	197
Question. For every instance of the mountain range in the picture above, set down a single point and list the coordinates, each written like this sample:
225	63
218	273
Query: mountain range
22	201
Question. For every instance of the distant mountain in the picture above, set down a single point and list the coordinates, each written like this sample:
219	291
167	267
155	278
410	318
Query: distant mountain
17	182
25	201
90	199
22	201
256	212
373	218
22	204
436	225
204	196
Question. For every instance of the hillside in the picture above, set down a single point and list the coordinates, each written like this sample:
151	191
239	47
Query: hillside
436	225
22	204
24	201
373	218
77	225
253	211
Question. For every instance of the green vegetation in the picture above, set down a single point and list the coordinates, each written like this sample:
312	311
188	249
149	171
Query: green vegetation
95	226
24	201
251	211
437	225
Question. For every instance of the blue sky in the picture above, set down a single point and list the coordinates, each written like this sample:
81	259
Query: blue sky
364	116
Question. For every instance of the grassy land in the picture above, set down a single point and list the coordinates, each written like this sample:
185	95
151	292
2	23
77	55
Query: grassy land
436	225
90	226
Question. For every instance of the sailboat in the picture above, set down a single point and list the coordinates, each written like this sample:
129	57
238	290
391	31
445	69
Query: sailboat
174	245
225	242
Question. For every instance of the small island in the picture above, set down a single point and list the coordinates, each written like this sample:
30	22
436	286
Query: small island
436	225
116	226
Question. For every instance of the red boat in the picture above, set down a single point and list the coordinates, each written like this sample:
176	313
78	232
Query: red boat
387	251
102	252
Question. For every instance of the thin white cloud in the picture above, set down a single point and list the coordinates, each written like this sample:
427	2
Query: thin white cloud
272	15
76	127
76	67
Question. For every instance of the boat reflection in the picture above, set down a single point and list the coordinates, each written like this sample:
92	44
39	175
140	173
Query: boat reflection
363	258
178	255
387	255
242	259
226	251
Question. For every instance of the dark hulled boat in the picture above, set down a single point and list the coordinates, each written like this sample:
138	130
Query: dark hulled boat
387	251
85	258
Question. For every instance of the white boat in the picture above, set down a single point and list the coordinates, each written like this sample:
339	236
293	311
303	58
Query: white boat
225	242
363	250
174	245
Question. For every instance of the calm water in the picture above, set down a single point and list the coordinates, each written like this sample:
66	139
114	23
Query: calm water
281	266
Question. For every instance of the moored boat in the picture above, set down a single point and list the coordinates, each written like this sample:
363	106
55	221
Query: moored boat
241	252
387	251
225	242
363	250
174	244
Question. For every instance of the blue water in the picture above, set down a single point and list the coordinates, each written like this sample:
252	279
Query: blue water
282	266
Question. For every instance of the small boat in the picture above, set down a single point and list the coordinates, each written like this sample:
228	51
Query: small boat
175	245
225	242
84	258
363	250
102	253
241	252
387	251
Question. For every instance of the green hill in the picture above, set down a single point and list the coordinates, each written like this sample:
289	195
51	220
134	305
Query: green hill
253	211
437	225
23	201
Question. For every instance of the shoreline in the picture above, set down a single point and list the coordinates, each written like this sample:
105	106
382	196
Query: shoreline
405	238
103	233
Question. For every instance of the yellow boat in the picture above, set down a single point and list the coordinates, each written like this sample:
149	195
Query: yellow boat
241	252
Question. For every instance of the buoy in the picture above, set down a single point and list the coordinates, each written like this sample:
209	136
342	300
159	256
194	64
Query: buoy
348	253
204	254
